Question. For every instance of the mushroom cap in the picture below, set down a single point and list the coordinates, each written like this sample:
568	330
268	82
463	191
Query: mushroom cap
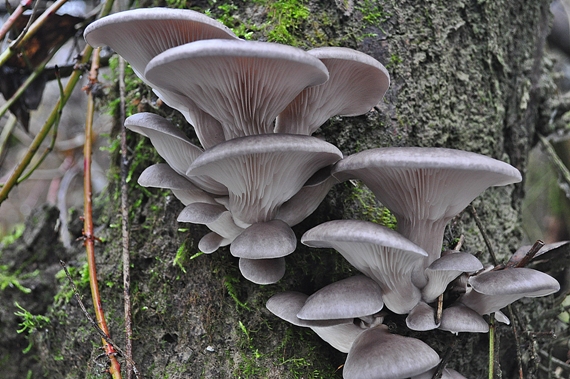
357	82
377	354
172	145
352	297
139	35
242	84
265	240
378	252
262	271
421	318
341	337
286	305
425	187
459	318
262	172
210	242
444	270
161	175
493	290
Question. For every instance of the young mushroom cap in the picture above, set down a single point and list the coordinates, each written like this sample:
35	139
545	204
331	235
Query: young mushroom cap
357	82
265	240
421	318
286	305
378	354
376	251
458	318
444	270
262	271
161	175
425	187
242	84
172	145
354	297
262	172
494	290
341	337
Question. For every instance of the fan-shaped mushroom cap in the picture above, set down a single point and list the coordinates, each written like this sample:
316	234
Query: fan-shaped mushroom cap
356	296
141	34
494	290
265	240
341	337
444	270
242	84
421	318
357	82
262	271
459	318
425	187
377	354
173	146
377	252
161	175
286	305
262	172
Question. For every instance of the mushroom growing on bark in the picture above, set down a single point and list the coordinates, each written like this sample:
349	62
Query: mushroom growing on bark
378	252
425	188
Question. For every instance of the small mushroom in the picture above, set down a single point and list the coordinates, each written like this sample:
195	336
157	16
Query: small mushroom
242	84
458	319
376	251
262	271
357	82
265	240
262	172
445	269
425	188
353	297
494	290
341	337
378	354
421	318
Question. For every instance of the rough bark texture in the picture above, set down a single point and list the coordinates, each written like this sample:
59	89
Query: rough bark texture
465	74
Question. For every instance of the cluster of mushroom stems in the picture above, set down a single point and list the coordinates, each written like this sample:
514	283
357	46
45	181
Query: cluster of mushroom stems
259	171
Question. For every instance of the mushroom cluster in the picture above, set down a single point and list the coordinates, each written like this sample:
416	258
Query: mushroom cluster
259	171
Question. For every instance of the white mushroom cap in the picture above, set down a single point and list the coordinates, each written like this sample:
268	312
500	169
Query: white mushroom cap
444	270
425	187
357	82
377	252
494	290
173	146
262	271
161	175
459	318
141	34
262	172
242	84
377	354
421	318
352	297
286	305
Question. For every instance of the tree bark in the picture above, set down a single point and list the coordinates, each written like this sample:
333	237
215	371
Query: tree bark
464	74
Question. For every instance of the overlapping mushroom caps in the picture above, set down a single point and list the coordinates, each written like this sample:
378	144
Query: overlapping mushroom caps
425	188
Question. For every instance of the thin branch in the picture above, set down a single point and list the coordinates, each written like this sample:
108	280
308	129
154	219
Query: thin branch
14	16
557	162
484	234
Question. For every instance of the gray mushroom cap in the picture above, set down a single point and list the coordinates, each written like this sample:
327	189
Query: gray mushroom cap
493	290
352	297
425	187
444	270
262	172
377	354
242	84
458	318
376	251
286	305
421	318
357	82
262	271
265	240
341	337
172	145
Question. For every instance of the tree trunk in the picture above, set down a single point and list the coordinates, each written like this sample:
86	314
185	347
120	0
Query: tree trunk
464	75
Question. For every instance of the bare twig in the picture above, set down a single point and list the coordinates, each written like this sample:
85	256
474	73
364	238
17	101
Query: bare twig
14	16
438	372
93	323
484	234
125	222
560	167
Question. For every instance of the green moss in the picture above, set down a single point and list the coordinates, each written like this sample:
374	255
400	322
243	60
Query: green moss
368	208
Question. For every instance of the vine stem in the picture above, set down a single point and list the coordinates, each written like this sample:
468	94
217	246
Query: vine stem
492	346
88	230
